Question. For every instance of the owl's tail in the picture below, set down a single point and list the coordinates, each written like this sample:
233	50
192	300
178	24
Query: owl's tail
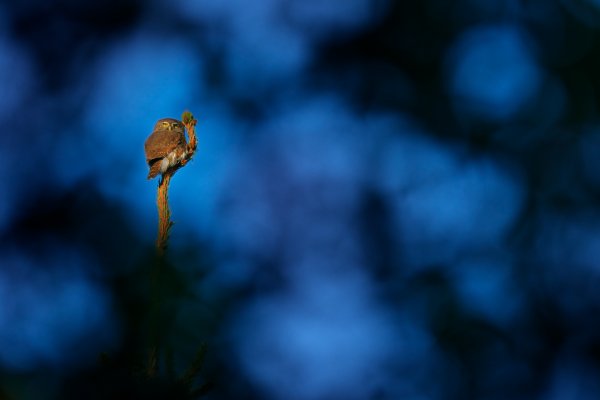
154	168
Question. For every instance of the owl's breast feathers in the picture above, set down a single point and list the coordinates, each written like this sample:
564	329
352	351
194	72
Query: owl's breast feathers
160	144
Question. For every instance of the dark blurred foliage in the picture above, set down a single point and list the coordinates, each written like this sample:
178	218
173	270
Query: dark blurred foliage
390	199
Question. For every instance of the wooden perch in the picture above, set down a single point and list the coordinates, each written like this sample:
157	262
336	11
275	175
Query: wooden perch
162	198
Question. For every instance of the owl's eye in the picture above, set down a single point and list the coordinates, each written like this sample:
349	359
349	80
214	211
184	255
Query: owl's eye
165	123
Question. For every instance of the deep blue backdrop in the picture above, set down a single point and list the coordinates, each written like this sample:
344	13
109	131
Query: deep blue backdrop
390	200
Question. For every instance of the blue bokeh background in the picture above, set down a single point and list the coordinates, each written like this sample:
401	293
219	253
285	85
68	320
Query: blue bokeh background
389	200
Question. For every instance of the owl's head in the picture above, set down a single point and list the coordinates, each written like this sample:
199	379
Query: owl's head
169	124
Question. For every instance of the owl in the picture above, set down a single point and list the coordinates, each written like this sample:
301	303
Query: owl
165	147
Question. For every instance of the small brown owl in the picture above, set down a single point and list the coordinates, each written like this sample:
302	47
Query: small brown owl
165	147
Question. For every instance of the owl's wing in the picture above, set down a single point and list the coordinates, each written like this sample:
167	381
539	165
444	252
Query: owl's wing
162	142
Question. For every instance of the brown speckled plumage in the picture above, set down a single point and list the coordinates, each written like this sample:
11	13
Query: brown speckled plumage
168	136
